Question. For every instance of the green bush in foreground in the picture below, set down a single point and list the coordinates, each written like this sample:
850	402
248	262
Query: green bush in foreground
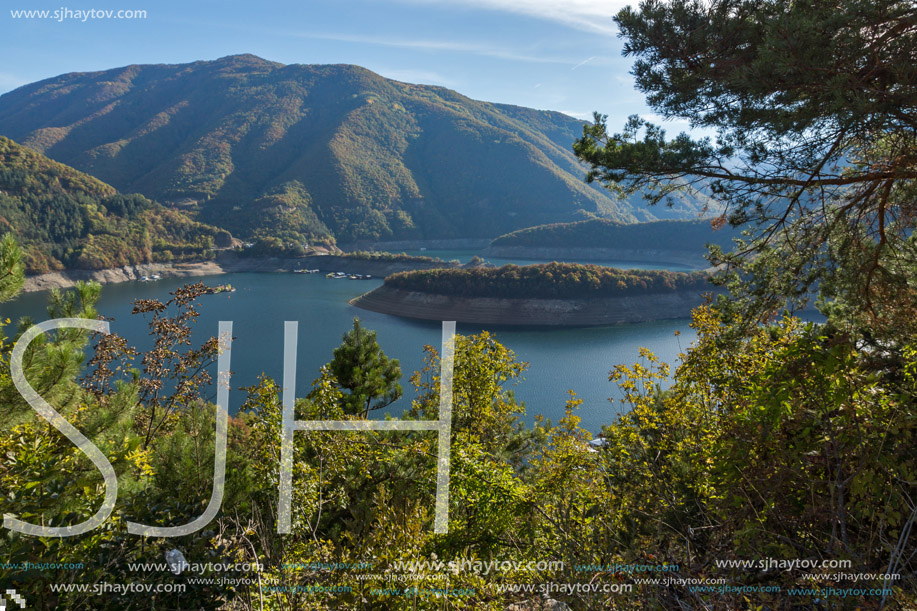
789	442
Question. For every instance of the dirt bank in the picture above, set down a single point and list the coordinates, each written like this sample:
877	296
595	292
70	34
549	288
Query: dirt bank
535	312
222	265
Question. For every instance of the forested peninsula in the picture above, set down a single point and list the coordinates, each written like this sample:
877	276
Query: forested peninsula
552	294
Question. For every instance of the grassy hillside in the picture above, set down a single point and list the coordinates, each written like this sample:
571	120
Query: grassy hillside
546	281
600	233
313	152
66	219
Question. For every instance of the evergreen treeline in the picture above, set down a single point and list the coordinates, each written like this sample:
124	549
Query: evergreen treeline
374	255
546	281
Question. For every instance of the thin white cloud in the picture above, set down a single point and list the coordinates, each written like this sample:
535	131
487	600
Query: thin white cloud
590	15
437	45
582	63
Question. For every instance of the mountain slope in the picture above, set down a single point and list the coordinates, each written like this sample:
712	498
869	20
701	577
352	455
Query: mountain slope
314	151
600	233
66	219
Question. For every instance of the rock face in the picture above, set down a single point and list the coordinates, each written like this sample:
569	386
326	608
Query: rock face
533	312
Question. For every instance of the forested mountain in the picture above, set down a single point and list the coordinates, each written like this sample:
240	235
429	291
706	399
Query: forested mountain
65	218
316	151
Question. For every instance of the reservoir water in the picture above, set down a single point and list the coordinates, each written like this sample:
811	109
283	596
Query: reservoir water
560	359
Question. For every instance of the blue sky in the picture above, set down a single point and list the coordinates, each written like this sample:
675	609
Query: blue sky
543	54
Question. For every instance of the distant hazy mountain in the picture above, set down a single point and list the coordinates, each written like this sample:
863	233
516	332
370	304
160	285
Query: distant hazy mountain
312	151
692	236
64	218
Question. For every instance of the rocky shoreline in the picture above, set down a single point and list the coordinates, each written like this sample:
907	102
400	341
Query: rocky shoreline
225	264
531	312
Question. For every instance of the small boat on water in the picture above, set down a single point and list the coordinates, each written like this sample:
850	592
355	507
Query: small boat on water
221	288
305	271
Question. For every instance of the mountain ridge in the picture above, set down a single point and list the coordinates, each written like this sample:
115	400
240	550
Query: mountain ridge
314	152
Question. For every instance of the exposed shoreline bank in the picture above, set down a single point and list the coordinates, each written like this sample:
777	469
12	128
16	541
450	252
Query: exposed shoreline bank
223	265
532	312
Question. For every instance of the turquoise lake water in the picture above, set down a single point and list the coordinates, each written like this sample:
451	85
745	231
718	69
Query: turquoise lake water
560	359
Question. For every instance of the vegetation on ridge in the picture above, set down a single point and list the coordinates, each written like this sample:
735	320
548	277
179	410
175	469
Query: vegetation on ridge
546	281
374	255
66	219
